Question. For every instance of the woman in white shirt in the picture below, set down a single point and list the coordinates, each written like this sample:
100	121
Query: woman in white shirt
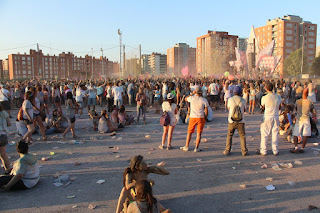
171	108
227	95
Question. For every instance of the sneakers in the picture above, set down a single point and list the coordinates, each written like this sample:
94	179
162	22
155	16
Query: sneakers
258	153
169	147
161	146
226	152
184	148
197	150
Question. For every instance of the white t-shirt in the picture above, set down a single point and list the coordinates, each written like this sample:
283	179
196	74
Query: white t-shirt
197	105
37	102
79	95
214	89
170	109
27	106
271	102
232	103
165	89
117	93
3	94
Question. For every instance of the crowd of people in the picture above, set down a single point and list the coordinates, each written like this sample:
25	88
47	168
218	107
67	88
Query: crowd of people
49	107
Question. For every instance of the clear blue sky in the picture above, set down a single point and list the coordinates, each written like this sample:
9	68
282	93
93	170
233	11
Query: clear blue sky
78	26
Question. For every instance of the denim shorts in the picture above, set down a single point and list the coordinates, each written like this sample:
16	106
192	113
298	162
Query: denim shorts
92	101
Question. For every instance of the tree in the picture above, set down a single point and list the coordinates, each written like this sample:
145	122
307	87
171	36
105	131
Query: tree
315	67
292	64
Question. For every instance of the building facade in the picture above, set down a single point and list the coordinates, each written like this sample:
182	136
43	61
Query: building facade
65	65
242	44
132	67
180	57
289	33
214	51
154	63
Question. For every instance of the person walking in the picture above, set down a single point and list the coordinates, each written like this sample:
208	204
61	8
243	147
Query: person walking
27	115
302	126
117	93
70	108
236	121
198	114
171	108
270	125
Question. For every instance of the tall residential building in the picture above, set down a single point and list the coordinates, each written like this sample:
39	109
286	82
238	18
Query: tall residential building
288	33
179	57
214	51
242	44
132	67
154	63
65	65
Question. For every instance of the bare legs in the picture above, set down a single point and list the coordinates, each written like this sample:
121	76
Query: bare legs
167	130
251	106
70	128
4	158
28	135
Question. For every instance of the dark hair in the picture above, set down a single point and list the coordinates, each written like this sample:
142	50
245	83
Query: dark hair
135	163
69	95
144	193
28	95
269	86
22	147
170	101
122	108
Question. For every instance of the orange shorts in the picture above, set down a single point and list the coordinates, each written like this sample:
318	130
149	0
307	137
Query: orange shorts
193	122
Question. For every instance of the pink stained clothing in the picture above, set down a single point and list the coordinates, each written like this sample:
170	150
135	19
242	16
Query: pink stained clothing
114	116
122	117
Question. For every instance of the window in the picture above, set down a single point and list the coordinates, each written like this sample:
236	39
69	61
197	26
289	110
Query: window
311	27
311	39
288	51
310	52
311	33
289	44
310	58
23	58
289	25
289	38
289	32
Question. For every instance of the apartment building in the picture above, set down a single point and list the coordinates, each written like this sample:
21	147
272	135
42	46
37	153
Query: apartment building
132	67
65	65
154	63
214	51
242	44
179	57
289	33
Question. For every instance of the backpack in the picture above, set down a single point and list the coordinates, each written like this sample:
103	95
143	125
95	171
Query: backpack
237	114
165	119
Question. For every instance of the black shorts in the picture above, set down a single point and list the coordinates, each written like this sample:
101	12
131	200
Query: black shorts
6	105
72	119
214	98
57	99
3	140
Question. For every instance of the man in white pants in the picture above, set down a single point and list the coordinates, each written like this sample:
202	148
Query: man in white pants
270	125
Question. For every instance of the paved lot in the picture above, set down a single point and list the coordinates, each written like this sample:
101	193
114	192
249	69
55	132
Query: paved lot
199	182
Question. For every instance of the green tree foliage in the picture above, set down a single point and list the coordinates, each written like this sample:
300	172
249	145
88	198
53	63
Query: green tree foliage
292	64
315	67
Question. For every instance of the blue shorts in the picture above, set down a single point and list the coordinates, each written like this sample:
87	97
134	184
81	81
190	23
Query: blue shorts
81	104
92	101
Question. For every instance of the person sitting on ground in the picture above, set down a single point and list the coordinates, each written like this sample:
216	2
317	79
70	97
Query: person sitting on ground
138	170
124	119
25	173
114	115
95	119
57	124
145	202
105	124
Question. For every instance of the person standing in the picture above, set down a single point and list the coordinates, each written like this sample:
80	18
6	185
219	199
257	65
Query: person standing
92	97
4	124
171	108
117	93
270	125
130	91
80	95
70	109
236	123
27	115
108	93
141	105
311	94
5	96
213	90
198	113
302	126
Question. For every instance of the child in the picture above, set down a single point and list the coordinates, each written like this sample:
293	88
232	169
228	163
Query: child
124	119
95	119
